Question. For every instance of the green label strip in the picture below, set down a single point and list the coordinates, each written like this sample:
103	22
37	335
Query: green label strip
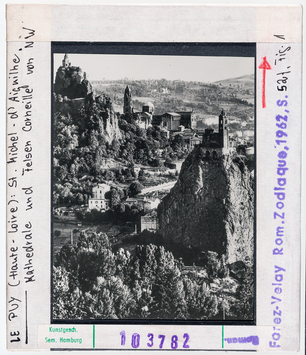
93	336
222	336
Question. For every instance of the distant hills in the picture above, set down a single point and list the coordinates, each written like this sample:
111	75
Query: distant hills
248	81
235	95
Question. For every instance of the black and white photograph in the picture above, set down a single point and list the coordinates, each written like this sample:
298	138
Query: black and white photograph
153	183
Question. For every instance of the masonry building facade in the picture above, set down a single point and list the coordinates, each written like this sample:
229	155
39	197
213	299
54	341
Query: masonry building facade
99	201
217	143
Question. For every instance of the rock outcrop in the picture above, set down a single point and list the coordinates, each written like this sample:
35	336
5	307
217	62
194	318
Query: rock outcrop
211	207
111	126
70	82
73	91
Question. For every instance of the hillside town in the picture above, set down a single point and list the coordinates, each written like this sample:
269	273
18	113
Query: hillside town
173	125
128	172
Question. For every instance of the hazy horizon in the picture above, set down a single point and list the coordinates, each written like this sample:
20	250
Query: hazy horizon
145	67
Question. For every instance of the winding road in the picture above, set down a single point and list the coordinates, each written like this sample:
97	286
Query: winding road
166	186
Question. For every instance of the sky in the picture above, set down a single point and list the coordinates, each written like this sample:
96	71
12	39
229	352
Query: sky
138	67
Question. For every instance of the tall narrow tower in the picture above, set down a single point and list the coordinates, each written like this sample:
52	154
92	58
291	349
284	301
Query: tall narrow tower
128	106
223	131
66	62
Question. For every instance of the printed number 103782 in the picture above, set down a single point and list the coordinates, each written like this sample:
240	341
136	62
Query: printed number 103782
151	340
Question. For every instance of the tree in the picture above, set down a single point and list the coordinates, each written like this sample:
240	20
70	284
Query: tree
213	264
123	260
99	158
66	304
134	189
93	264
109	299
177	143
57	233
67	258
141	175
91	282
245	304
115	195
115	148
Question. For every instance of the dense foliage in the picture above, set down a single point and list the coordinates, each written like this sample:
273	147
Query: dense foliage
92	282
82	145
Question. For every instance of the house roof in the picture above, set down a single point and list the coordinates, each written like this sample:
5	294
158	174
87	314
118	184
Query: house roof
148	104
101	185
196	139
152	213
133	199
174	114
146	114
184	112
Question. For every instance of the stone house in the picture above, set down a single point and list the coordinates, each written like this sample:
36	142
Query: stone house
149	222
171	121
99	201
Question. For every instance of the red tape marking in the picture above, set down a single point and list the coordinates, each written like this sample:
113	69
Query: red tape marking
265	66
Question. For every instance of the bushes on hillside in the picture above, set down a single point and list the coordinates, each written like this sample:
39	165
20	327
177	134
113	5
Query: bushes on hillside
92	282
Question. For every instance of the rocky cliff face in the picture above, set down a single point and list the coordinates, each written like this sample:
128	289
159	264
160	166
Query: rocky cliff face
111	126
91	113
101	107
211	207
69	82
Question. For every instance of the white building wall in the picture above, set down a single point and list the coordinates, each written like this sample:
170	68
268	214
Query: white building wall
100	190
98	201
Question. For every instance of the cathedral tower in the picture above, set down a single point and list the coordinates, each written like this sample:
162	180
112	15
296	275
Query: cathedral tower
128	106
223	131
